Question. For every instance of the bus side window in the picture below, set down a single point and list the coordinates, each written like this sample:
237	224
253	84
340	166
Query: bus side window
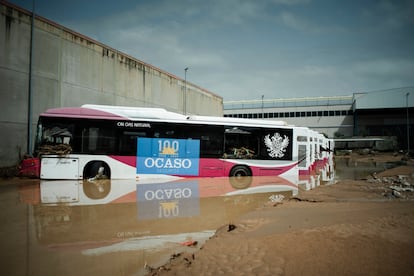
211	146
211	139
98	140
240	143
128	142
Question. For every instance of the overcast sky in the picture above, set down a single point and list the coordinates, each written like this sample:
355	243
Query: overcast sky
242	50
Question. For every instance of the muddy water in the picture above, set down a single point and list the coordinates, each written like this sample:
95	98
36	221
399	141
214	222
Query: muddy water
116	227
120	227
356	170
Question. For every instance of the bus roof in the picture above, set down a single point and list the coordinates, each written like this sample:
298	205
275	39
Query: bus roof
235	120
135	113
109	112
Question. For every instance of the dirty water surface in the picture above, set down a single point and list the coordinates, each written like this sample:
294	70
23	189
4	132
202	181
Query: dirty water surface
125	227
119	227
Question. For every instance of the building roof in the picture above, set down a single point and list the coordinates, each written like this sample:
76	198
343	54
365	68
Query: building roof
288	102
390	98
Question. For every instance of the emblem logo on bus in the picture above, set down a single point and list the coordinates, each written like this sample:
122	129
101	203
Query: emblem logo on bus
276	145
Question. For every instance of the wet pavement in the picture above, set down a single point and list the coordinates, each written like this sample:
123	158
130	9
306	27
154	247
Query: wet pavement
118	227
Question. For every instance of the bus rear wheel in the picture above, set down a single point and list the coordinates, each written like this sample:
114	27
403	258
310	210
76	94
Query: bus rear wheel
95	170
240	177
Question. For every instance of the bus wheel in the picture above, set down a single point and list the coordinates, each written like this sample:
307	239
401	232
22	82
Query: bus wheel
240	177
95	170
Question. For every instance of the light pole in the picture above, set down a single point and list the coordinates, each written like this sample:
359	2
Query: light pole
30	92
185	90
262	107
408	124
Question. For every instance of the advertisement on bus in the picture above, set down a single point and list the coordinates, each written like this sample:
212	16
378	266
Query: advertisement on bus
168	156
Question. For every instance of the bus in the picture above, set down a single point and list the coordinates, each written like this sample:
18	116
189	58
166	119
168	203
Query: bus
118	142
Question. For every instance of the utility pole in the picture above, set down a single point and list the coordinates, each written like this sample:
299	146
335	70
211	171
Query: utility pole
408	124
185	90
30	96
262	107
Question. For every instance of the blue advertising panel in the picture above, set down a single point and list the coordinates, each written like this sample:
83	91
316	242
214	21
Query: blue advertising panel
168	156
168	200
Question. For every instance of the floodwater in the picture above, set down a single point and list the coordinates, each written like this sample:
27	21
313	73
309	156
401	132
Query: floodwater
117	227
356	170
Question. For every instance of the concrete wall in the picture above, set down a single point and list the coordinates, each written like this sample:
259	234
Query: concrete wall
70	69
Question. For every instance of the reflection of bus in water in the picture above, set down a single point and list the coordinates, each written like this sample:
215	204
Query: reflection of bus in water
115	206
107	226
98	192
95	141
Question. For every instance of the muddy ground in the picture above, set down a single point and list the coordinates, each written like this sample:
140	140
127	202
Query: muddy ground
353	227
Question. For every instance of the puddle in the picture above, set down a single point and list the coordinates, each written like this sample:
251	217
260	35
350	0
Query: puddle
351	169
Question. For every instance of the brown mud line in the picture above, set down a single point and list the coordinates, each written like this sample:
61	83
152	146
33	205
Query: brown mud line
349	228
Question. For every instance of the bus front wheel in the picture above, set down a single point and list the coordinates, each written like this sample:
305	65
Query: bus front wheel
240	177
96	170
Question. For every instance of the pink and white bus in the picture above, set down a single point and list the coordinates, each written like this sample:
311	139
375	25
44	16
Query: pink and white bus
140	143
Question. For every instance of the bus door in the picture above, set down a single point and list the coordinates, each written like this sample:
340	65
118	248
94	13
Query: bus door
211	149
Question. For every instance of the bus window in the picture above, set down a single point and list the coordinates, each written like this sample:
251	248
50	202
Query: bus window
211	139
56	135
128	142
93	138
302	138
240	143
302	156
98	140
167	130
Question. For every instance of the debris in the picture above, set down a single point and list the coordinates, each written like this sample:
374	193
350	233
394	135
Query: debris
399	186
148	268
231	227
9	171
304	199
174	256
396	194
402	189
189	243
188	262
59	149
99	175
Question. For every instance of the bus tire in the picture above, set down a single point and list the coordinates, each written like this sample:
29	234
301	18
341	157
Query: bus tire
91	171
240	177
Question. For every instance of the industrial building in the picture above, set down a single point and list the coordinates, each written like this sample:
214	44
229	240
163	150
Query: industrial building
376	113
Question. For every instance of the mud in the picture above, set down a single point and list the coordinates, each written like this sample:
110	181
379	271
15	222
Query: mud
353	227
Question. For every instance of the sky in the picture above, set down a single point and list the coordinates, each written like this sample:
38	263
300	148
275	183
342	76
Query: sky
246	50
